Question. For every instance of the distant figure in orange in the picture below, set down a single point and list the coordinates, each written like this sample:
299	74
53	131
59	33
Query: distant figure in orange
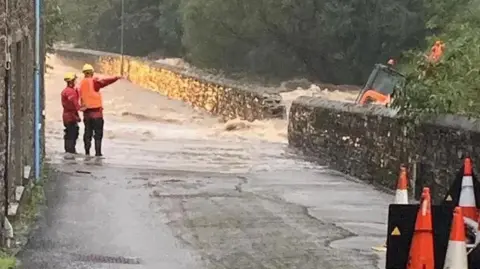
391	63
437	51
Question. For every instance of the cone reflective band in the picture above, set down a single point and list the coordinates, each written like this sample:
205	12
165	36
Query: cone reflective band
421	254
456	257
467	193
401	194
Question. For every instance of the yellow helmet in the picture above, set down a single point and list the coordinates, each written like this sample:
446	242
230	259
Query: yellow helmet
70	76
87	67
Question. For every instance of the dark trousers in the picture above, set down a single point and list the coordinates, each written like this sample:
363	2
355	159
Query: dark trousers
70	136
93	128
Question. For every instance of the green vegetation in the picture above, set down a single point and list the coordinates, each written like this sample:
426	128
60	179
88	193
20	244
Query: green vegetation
323	40
453	84
320	39
55	24
30	211
7	262
27	218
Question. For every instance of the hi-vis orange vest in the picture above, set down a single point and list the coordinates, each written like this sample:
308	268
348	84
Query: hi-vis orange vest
436	52
88	96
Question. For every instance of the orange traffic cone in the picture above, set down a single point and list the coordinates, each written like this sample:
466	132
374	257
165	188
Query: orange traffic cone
456	256
401	195
421	254
467	194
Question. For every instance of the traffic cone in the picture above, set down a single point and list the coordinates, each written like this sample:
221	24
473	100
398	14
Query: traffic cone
401	195
477	236
456	256
467	194
421	254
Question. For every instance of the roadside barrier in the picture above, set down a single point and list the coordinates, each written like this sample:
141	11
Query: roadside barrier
444	236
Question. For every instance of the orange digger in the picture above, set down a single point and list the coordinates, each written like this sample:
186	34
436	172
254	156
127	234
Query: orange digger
385	80
381	84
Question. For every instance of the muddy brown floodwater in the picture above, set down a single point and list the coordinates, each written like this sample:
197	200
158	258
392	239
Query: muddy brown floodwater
180	189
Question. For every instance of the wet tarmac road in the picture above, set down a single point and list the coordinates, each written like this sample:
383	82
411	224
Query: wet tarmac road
178	191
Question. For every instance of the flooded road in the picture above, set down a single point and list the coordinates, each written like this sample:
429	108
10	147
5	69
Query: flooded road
180	189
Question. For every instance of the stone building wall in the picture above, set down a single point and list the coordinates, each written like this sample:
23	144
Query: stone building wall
219	97
371	143
16	94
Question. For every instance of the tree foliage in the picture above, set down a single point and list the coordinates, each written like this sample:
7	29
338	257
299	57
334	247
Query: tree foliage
325	39
54	23
453	84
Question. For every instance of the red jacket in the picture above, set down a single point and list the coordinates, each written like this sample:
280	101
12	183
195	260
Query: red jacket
99	84
71	105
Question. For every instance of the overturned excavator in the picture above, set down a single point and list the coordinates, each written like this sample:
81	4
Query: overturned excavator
385	80
381	85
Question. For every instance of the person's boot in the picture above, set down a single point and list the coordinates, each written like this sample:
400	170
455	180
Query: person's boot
98	148
65	145
87	148
74	146
69	146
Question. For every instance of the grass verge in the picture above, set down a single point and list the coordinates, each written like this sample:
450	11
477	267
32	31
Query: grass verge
30	210
7	261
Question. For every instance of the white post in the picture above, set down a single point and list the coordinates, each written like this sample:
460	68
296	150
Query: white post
122	36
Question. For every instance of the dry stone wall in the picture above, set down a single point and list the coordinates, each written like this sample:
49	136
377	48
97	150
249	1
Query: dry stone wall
216	96
16	96
371	143
366	142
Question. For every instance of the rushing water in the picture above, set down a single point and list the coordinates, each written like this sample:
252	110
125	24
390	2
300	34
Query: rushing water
147	120
146	130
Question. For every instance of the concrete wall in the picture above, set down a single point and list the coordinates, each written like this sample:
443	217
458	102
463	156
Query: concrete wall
371	142
219	97
17	96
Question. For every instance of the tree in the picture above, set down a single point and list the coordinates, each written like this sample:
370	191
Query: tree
330	41
54	23
453	84
82	20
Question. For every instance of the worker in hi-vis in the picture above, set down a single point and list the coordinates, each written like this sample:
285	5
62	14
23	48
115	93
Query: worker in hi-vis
92	107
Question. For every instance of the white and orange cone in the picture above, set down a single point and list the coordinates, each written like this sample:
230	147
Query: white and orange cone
401	195
467	194
477	236
456	256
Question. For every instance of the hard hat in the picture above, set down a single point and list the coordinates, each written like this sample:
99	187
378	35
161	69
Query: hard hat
70	76
87	67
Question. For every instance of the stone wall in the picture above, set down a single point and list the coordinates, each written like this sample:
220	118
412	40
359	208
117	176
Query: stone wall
216	96
16	95
371	142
